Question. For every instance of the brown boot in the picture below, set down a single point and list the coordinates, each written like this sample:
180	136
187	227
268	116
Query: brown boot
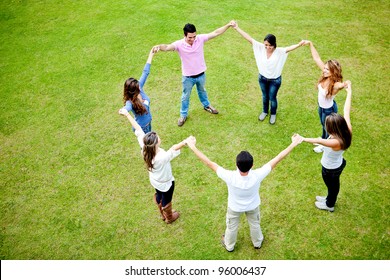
159	207
170	216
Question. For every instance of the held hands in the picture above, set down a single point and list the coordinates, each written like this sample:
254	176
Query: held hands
233	24
191	141
296	139
156	48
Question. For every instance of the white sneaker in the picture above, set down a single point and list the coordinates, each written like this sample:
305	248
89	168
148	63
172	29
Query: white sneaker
321	198
262	116
323	206
272	119
319	149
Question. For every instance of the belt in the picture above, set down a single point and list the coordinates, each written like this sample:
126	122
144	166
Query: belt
195	76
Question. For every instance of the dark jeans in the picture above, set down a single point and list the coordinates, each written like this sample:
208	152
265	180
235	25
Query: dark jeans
332	181
323	113
165	197
269	88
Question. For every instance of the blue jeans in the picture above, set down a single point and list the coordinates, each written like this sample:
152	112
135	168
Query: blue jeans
269	88
188	84
323	113
331	179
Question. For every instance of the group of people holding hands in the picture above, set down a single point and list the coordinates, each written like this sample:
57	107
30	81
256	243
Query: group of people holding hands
243	183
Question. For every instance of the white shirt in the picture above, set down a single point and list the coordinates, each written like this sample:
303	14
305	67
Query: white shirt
272	67
243	191
161	175
323	101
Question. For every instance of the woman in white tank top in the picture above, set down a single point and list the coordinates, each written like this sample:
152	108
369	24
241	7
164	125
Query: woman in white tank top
332	161
329	84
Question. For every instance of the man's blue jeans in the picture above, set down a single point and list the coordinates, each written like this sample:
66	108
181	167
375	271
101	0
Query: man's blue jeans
188	84
269	88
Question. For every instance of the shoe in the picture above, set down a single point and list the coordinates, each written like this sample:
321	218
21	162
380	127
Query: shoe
319	149
321	198
258	247
211	109
272	119
262	116
223	243
181	121
323	206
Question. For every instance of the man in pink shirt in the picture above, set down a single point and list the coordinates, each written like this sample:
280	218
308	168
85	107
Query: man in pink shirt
193	66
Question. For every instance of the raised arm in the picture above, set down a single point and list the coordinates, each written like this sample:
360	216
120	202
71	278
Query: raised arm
295	140
191	141
150	57
134	124
219	31
347	105
242	32
315	55
294	47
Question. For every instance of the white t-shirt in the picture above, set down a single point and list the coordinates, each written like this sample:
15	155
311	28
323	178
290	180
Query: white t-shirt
161	175
272	67
243	191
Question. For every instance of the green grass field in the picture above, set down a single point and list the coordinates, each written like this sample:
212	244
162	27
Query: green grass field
74	186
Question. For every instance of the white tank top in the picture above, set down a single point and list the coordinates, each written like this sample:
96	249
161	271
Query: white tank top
332	159
323	101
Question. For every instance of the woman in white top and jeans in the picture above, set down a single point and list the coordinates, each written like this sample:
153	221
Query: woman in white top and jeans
270	61
329	84
158	163
332	161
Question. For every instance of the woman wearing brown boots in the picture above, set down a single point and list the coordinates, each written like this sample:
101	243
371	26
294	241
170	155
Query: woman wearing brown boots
158	163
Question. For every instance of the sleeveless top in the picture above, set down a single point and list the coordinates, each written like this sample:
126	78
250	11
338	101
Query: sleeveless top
323	101
332	159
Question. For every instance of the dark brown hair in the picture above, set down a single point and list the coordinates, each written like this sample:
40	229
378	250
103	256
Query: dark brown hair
150	148
130	92
337	126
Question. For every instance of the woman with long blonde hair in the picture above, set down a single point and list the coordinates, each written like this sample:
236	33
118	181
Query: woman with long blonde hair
329	84
158	164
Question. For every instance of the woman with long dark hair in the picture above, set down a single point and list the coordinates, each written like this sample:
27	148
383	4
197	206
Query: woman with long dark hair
158	164
136	100
339	129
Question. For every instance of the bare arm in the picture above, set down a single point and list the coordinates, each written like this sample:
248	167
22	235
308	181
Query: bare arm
178	146
331	143
315	55
296	139
134	124
191	141
294	47
242	32
219	31
163	47
347	105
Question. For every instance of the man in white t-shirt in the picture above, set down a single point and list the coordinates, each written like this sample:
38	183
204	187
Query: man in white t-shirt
243	191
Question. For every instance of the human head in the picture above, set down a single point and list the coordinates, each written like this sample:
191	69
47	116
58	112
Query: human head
334	69
189	33
189	28
271	39
151	143
131	89
337	126
244	161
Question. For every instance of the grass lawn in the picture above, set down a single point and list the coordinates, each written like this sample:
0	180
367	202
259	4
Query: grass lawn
73	183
